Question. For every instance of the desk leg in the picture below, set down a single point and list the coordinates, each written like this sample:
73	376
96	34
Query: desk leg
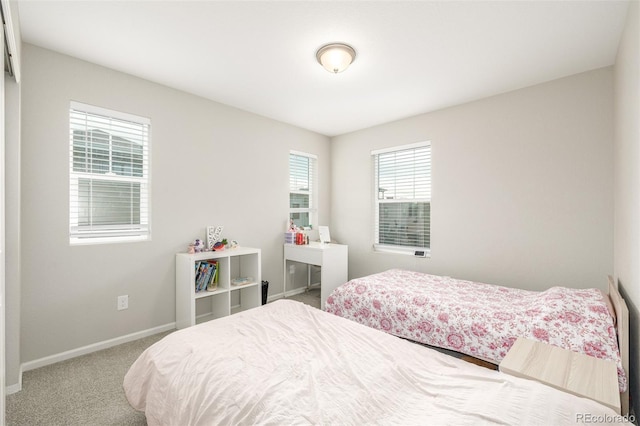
333	272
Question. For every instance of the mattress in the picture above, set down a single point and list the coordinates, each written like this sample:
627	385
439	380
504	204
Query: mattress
288	363
478	319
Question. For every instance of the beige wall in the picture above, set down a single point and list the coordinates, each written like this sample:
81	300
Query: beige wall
210	165
521	187
627	182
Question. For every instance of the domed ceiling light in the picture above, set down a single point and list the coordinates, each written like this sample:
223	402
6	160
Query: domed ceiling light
336	57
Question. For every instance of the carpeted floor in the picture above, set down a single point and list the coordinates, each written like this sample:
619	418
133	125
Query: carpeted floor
311	297
87	390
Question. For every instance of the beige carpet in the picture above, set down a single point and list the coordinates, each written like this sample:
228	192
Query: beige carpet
311	297
86	390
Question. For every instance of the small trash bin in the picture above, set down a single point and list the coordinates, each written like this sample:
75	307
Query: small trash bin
265	291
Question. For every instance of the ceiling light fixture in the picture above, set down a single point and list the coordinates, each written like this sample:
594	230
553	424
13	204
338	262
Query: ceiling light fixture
336	57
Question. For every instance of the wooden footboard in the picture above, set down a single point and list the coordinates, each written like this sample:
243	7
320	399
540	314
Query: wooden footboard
622	329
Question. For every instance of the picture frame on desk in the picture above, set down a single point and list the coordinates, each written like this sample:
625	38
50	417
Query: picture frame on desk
325	235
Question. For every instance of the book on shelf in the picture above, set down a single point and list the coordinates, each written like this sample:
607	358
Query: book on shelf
206	275
200	271
213	281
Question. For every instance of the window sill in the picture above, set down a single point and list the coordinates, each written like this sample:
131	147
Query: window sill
108	240
407	251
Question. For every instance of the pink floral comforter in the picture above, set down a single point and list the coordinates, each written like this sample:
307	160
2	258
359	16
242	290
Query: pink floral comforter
478	319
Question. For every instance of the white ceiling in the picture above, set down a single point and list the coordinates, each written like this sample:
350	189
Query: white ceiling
412	57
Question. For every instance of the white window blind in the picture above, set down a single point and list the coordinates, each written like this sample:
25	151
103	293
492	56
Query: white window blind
302	188
403	198
109	175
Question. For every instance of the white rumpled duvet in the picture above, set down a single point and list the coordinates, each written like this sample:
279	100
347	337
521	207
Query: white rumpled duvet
286	363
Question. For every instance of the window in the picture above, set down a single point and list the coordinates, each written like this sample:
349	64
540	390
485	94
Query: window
302	188
109	176
403	198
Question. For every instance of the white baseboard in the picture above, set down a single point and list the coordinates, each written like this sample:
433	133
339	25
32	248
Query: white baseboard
52	359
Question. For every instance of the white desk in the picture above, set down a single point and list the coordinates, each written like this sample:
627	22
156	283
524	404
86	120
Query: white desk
332	259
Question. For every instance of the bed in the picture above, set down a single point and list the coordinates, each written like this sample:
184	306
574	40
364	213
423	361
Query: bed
289	363
483	320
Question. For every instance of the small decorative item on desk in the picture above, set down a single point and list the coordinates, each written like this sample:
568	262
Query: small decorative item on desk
242	281
290	234
289	237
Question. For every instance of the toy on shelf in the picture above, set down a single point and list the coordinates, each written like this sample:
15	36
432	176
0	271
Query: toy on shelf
220	245
199	245
196	246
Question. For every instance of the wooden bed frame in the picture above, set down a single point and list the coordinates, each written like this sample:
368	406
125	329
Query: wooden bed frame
622	329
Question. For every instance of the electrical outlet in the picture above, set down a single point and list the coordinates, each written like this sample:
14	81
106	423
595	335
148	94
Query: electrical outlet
123	302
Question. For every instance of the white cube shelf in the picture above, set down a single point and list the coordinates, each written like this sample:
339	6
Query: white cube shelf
239	262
